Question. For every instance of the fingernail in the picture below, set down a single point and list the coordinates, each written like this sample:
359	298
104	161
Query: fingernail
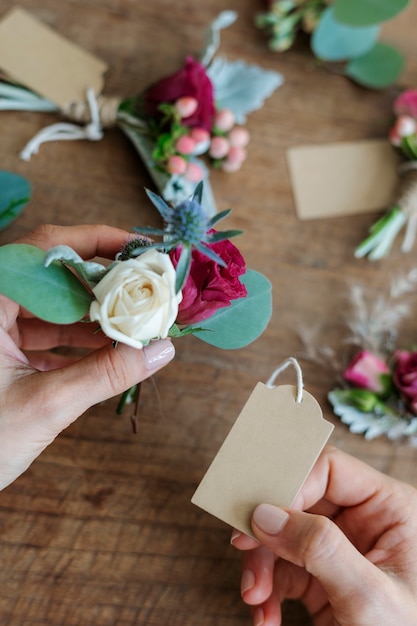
235	535
248	581
270	518
258	617
158	353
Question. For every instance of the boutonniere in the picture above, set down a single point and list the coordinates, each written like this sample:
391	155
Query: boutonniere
403	137
342	31
193	280
181	126
376	377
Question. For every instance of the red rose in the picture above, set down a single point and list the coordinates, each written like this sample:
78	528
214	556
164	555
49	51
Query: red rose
210	286
191	81
405	377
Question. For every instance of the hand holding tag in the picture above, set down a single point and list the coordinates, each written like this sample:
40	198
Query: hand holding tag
267	455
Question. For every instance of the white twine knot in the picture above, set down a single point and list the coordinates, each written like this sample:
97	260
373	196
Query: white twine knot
290	361
64	131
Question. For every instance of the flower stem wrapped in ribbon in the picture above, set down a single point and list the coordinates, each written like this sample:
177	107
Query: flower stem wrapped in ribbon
403	136
197	111
193	281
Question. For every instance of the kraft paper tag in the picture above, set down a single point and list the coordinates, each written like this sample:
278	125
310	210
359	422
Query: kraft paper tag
343	179
266	456
34	55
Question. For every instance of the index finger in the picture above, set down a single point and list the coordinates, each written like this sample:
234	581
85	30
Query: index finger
88	241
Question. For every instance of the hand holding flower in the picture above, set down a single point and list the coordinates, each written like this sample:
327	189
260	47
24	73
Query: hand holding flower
42	392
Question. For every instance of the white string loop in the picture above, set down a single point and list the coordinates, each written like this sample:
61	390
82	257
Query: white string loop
290	361
64	131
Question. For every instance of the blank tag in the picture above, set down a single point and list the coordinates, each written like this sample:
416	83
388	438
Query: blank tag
45	62
343	178
266	457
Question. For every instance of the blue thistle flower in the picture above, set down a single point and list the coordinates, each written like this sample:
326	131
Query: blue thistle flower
188	226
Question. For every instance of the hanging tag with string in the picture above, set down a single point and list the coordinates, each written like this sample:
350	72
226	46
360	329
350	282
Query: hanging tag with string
268	453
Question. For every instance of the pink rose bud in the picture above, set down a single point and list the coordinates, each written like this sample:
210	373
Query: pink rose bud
404	126
367	371
238	137
176	165
185	144
186	106
200	135
219	147
194	173
224	120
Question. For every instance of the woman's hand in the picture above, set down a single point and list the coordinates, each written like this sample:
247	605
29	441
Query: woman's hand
41	393
352	558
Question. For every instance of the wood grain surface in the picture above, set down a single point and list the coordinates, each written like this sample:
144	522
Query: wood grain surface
100	530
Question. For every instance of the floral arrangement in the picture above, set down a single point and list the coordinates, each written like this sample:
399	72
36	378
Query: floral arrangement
344	31
376	392
193	281
403	136
15	192
200	110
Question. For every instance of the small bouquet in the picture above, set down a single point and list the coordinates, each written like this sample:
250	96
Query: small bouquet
341	31
403	136
15	192
376	392
197	111
193	281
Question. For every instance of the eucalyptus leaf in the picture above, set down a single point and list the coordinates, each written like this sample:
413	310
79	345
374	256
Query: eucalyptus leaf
380	67
244	320
87	270
334	41
51	293
367	12
15	192
240	87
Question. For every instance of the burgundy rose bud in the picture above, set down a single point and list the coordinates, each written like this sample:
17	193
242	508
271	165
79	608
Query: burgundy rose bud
209	286
191	81
368	371
405	377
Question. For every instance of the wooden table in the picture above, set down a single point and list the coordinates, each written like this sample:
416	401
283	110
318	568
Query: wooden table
100	530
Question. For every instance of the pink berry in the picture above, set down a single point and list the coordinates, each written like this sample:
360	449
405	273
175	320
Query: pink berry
224	120
185	144
186	106
236	155
219	147
194	173
176	165
200	135
231	166
239	137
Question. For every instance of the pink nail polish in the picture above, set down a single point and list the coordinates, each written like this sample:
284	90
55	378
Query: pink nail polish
158	353
248	581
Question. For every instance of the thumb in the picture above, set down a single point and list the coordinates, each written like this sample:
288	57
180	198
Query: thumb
101	375
316	543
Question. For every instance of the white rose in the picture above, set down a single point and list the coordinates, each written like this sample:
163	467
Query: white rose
136	299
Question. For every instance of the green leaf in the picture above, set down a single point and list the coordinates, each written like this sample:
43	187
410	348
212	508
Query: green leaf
51	293
333	41
377	69
15	192
245	319
367	12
